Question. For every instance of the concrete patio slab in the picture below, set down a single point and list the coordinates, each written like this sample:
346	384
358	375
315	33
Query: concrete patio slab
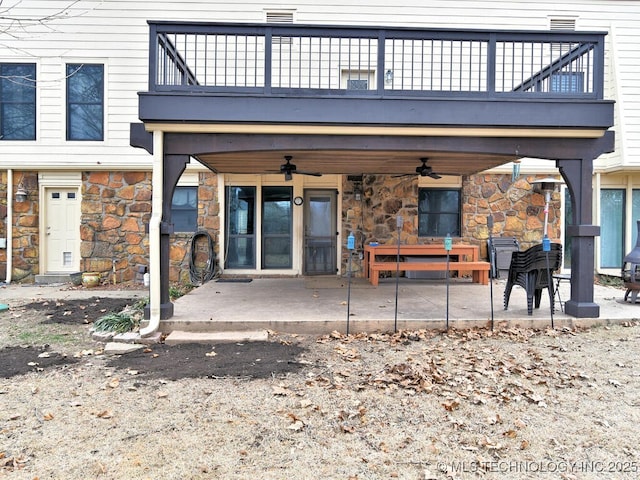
322	304
177	337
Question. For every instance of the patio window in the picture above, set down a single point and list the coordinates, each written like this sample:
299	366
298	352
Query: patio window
17	101
241	219
184	209
635	216
612	227
85	102
438	212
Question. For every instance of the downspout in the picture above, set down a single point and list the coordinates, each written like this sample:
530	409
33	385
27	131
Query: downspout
9	249
154	236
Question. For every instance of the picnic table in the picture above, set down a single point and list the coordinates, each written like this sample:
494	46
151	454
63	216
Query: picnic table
464	259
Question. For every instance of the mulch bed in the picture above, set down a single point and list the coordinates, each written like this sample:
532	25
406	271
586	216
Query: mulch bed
80	311
249	360
21	360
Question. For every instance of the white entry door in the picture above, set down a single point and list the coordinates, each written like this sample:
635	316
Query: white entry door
62	229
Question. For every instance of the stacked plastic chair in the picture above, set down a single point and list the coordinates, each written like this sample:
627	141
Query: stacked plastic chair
533	270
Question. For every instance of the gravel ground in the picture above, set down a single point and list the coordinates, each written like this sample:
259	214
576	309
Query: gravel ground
415	405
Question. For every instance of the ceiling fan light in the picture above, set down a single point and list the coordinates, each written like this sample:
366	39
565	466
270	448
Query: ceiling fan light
288	176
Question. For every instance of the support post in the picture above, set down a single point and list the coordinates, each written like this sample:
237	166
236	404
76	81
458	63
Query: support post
172	166
578	177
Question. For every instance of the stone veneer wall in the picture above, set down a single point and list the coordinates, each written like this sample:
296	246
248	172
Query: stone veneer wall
115	212
516	209
116	207
209	221
26	238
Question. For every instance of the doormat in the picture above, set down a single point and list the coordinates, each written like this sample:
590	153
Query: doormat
234	280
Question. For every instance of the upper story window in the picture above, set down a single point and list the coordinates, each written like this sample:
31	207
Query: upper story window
17	101
85	101
357	79
439	212
567	82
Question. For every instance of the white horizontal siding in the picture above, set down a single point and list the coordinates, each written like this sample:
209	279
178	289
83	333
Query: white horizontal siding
115	32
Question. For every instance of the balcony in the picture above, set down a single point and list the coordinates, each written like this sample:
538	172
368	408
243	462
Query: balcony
334	80
312	61
212	72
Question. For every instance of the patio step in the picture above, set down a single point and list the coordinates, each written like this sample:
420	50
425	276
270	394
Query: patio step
179	336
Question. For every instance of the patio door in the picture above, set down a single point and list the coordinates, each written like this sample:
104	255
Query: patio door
320	232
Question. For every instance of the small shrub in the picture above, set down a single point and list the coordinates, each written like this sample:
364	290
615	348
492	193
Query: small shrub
115	322
125	321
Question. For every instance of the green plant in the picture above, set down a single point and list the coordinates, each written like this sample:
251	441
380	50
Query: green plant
140	305
124	321
115	322
177	290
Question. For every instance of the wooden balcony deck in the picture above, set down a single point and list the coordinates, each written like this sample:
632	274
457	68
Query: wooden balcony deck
323	75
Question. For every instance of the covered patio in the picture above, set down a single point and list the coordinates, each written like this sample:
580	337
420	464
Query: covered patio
352	100
319	305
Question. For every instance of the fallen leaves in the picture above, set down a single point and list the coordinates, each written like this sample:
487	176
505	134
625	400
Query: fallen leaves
12	463
296	423
451	405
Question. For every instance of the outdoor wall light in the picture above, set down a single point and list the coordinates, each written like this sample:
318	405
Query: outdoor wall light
21	194
388	76
356	180
357	191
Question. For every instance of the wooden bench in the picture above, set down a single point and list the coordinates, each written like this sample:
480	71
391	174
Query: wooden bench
480	270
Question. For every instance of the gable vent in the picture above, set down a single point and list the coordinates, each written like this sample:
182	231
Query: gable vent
562	23
283	17
279	17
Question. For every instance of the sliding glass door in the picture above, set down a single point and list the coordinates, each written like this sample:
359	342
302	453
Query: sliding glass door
277	228
274	233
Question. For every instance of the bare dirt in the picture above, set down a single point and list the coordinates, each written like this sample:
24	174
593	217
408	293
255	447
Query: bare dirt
513	403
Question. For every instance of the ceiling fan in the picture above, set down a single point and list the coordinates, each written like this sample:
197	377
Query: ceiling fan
288	169
423	170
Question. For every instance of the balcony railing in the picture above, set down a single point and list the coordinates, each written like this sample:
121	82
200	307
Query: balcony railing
304	60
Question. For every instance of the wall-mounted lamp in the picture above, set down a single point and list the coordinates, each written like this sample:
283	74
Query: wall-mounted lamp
357	191
388	76
21	193
357	185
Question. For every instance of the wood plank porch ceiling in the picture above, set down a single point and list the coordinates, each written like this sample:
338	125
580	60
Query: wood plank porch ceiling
351	162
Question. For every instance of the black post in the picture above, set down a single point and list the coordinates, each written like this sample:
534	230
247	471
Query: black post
490	227
395	317
350	247
448	245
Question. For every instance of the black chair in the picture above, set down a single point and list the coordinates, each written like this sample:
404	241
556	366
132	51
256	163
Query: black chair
533	270
500	251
